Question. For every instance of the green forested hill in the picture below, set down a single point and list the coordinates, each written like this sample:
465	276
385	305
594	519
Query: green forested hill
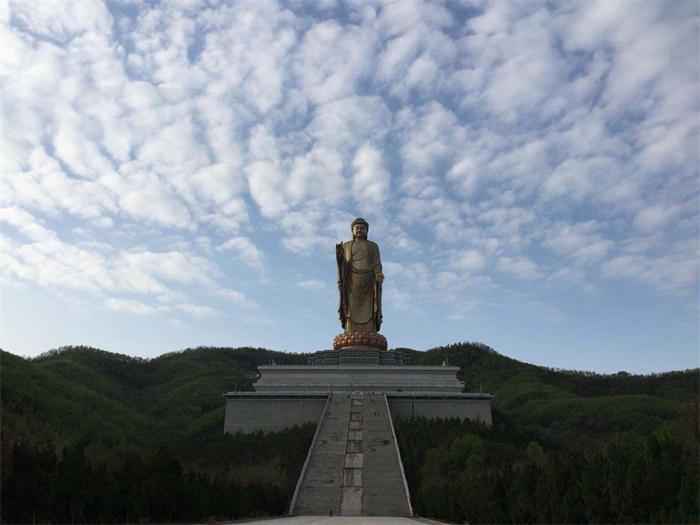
562	406
77	414
80	426
79	391
565	447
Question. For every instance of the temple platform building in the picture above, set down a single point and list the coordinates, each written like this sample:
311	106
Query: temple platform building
353	467
288	395
352	393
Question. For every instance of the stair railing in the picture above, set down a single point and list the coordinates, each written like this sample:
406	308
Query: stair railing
398	453
300	481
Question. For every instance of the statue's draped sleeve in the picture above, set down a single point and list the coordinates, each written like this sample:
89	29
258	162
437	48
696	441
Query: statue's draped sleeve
342	283
377	289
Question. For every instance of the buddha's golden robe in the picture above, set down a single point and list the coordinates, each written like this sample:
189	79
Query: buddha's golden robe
360	293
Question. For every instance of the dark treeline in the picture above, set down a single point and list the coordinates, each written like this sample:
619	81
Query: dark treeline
88	483
565	446
464	472
130	486
94	437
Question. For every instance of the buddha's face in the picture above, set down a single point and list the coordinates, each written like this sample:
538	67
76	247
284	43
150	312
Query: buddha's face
359	231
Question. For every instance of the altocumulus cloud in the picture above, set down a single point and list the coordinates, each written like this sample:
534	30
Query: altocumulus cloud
533	140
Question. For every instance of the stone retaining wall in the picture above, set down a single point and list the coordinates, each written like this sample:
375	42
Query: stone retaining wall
250	414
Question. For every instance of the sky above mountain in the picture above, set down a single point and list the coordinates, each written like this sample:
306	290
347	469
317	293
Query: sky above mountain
176	174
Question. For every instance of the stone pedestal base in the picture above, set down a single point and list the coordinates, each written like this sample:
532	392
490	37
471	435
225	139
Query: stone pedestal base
370	339
359	355
359	376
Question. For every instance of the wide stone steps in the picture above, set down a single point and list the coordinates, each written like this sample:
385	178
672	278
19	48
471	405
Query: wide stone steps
354	467
384	486
321	486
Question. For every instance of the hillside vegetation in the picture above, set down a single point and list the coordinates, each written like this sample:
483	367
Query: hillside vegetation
565	447
92	436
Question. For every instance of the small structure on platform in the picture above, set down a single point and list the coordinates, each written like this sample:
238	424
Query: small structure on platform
352	392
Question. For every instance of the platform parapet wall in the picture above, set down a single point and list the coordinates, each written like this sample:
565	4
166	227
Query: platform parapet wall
348	378
248	412
473	409
288	395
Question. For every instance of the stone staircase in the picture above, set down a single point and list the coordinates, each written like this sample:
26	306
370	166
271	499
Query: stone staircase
319	493
353	466
385	492
351	489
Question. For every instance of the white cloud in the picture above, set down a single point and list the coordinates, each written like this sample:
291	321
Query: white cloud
465	173
130	306
655	217
508	226
344	125
135	307
333	58
265	176
469	261
310	229
418	53
61	20
197	310
42	257
401	239
521	267
26	224
171	266
397	299
318	175
675	272
581	177
370	182
464	135
235	296
525	68
581	241
571	277
312	284
246	250
430	137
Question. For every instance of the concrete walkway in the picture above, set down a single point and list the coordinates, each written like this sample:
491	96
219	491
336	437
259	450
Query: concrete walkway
340	520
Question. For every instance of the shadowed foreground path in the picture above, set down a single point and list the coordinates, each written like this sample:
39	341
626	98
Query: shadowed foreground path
343	520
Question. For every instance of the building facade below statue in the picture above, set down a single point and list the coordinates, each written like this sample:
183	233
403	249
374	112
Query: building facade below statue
360	355
287	395
353	466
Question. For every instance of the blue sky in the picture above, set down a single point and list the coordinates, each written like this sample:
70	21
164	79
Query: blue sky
176	174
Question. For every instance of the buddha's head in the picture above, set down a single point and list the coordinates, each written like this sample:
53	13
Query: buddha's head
360	227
